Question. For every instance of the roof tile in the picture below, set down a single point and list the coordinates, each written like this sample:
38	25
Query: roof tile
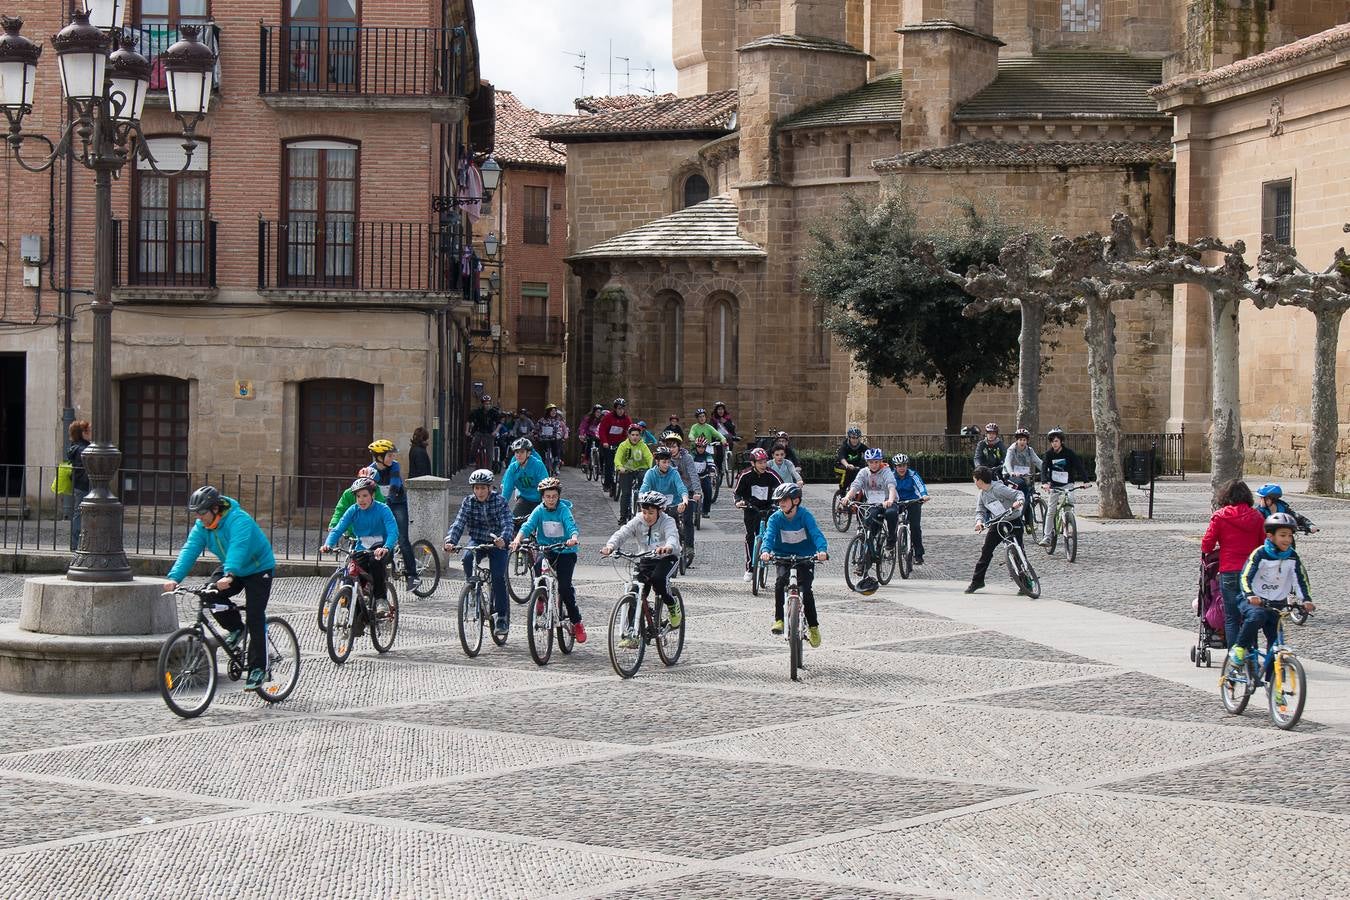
1069	84
878	101
708	229
983	154
704	114
1322	42
515	142
617	101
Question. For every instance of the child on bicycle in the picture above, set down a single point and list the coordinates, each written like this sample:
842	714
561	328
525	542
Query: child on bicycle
1272	575
1059	467
1021	466
754	495
376	530
632	459
996	499
246	561
346	502
876	486
656	532
706	470
909	486
1272	501
486	516
555	531
523	476
792	531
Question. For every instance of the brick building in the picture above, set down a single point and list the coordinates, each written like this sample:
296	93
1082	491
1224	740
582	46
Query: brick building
295	293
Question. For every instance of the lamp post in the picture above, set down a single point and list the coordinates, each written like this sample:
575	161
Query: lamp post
105	80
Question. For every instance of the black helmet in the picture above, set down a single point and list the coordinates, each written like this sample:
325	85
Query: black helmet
203	498
867	586
1281	520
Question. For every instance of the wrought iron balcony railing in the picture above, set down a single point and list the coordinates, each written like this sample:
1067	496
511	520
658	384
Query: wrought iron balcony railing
178	253
539	331
347	255
357	61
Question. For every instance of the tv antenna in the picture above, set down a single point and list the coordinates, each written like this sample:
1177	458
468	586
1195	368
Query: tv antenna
627	74
580	55
649	81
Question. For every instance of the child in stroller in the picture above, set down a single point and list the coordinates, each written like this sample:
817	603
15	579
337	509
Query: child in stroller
1208	608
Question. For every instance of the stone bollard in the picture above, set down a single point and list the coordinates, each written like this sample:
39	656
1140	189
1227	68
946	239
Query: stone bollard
428	508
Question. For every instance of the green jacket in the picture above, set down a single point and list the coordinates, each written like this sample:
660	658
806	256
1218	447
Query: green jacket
632	458
345	502
697	431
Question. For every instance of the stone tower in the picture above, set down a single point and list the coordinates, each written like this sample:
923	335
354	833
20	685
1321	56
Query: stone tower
948	54
702	44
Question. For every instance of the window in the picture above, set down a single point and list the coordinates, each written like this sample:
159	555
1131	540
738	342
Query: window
1277	211
320	218
321	39
536	215
153	437
820	336
169	240
534	299
695	189
670	334
1080	15
722	350
156	29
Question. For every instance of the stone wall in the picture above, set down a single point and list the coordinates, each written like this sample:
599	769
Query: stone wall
616	186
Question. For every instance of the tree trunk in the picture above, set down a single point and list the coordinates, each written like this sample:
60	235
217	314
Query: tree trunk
955	398
1325	421
1029	367
1225	438
1100	332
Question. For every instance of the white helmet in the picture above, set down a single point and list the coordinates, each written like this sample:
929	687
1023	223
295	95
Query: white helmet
480	476
652	498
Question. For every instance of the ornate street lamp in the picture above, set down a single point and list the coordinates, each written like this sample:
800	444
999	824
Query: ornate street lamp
107	88
490	244
492	175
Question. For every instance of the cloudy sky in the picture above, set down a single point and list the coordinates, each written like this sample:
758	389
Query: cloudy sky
524	44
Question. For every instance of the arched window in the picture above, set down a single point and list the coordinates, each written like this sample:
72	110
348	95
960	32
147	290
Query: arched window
695	190
722	341
670	334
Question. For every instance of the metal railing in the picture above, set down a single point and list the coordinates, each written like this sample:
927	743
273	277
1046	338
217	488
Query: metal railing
357	256
164	253
539	331
153	37
361	61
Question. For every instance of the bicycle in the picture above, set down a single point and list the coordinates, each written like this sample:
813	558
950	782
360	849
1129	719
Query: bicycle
547	617
840	510
794	612
475	603
427	563
520	569
1065	521
867	549
759	571
904	544
1286	692
1019	567
635	622
354	598
186	670
1032	522
344	544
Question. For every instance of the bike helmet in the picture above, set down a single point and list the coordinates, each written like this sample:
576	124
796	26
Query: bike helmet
719	405
549	484
636	426
1270	490
1054	433
619	401
700	411
597	406
639	423
652	498
485	399
662	453
992	426
363	484
787	491
524	411
782	434
1281	520
673	436
203	498
854	431
480	476
700	443
381	447
899	459
758	455
1022	433
521	444
872	454
867	586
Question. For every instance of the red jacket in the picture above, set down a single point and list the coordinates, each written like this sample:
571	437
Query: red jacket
611	438
1236	531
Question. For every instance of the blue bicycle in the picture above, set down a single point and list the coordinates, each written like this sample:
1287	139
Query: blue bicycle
1286	688
759	570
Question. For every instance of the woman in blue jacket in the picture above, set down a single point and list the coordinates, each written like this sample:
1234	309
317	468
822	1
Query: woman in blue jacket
247	562
555	531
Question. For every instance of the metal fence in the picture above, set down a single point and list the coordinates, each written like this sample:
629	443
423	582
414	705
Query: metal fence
357	256
361	61
160	253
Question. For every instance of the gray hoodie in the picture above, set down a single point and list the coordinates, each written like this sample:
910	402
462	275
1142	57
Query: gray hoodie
1026	458
684	464
1000	492
664	533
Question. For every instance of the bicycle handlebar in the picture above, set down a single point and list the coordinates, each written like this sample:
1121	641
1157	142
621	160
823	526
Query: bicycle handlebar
793	560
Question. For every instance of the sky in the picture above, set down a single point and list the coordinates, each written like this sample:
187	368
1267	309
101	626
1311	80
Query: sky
524	46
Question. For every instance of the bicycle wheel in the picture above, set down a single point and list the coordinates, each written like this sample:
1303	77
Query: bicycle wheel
762	572
187	673
384	624
470	621
1286	707
326	598
904	553
755	564
283	661
683	564
1235	685
856	562
538	627
794	630
885	562
1031	583
520	575
716	488
670	641
341	616
428	563
626	645
1038	513
1070	536
841	513
1298	615
566	634
698	513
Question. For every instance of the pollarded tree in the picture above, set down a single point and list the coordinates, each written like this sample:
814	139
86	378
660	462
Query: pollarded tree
901	321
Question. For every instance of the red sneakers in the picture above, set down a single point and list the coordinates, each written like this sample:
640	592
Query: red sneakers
580	631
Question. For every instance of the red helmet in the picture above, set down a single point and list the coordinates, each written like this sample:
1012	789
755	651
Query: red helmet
758	455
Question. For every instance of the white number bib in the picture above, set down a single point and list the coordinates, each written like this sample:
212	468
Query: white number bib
793	537
670	499
876	496
616	429
1021	470
759	491
553	529
995	508
371	542
700	467
1059	476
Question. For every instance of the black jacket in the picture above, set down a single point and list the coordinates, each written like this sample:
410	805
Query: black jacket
79	478
419	461
990	455
1065	459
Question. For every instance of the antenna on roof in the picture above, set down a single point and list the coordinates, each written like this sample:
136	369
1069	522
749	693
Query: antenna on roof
627	74
581	67
650	71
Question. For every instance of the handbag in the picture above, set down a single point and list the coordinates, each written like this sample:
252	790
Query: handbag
64	482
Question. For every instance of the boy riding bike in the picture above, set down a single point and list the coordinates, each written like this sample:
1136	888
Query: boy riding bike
385	472
1271	500
376	530
754	495
632	459
652	530
996	499
1272	575
876	485
523	476
792	531
555	531
909	486
1059	467
487	517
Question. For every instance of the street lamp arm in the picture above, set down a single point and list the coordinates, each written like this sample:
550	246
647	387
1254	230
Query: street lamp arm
142	152
57	149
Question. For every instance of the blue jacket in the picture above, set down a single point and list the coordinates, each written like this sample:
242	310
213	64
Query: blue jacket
524	479
911	487
390	481
670	484
797	536
559	521
237	541
367	525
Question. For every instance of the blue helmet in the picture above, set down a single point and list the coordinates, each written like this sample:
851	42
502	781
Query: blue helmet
854	431
1269	490
873	453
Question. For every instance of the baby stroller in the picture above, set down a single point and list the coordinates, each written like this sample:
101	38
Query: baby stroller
1208	608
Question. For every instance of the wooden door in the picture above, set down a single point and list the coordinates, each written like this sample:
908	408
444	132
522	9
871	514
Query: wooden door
336	427
153	437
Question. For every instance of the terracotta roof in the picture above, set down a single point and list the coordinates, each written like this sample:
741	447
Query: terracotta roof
704	230
704	115
878	101
983	154
618	101
1069	84
1323	41
515	143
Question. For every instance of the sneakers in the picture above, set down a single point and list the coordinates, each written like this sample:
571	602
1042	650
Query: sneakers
746	578
974	586
1238	655
256	677
501	629
918	560
580	631
628	641
777	627
813	635
233	638
676	614
1044	542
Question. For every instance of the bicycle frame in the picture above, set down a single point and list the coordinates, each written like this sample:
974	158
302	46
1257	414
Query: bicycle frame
210	630
1063	501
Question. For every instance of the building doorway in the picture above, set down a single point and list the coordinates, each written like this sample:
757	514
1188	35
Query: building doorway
153	437
532	393
337	423
13	385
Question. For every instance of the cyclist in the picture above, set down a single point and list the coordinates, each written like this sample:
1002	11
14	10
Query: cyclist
909	486
754	495
386	473
701	429
996	498
587	430
1273	573
665	480
850	456
345	502
552	432
613	426
482	426
555	531
1059	466
673	424
705	468
487	518
721	420
1272	502
1020	466
246	564
523	476
506	433
683	463
525	426
632	459
784	467
376	530
792	531
647	437
989	452
876	486
655	531
784	440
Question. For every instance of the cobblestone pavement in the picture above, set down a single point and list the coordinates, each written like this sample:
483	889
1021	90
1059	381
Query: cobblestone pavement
918	757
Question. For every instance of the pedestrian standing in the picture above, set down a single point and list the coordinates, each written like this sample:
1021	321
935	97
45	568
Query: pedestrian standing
1237	529
419	460
79	478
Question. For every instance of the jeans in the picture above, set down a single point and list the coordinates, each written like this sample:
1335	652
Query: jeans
687	523
564	564
501	603
916	529
806	574
400	511
1253	618
706	483
1230	586
257	589
992	540
607	460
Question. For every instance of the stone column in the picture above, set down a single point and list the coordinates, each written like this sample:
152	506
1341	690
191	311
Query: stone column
428	508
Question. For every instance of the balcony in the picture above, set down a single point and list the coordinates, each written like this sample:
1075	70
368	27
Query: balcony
540	331
154	36
345	261
361	68
165	260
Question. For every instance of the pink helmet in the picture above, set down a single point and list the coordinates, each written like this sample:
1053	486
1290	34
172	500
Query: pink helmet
758	455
